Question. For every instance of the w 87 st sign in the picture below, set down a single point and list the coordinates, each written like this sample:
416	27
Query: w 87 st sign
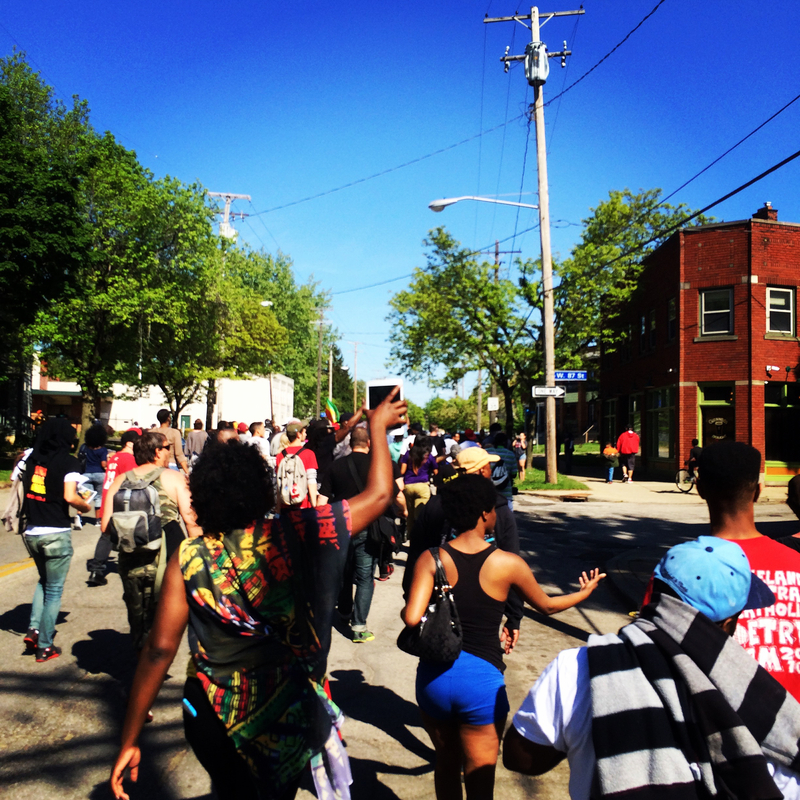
571	374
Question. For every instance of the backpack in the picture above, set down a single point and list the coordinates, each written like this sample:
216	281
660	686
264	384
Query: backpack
292	479
136	519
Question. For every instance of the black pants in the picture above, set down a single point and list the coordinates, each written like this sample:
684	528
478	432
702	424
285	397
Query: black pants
215	750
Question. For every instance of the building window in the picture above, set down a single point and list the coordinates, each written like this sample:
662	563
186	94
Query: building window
635	412
716	311
659	435
652	330
642	333
782	422
672	319
780	310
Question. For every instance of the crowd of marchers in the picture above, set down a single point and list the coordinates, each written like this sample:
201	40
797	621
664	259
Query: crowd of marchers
256	539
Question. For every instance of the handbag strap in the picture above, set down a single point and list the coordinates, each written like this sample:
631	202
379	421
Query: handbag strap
354	472
440	580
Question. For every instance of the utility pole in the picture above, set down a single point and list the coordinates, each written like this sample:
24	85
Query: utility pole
537	68
480	400
355	375
225	228
318	323
330	372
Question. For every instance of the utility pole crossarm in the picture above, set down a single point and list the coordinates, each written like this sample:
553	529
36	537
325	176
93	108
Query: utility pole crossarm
557	54
543	15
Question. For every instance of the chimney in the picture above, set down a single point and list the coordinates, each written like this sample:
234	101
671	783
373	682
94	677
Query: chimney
768	213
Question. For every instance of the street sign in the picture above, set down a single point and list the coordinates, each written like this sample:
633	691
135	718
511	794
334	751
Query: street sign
570	374
492	403
549	391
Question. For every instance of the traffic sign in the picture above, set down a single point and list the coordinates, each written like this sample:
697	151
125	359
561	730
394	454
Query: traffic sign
570	374
549	391
492	403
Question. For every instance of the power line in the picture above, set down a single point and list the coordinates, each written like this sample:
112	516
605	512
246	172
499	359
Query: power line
674	228
607	55
390	169
731	149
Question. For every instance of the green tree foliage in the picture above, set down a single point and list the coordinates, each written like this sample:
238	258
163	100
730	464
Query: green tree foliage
295	307
452	414
455	317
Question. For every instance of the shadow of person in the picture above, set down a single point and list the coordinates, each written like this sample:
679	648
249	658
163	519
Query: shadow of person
379	707
107	652
16	621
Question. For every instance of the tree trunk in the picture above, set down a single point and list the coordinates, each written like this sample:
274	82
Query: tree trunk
87	414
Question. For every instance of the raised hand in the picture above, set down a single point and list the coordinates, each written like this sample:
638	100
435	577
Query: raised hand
589	582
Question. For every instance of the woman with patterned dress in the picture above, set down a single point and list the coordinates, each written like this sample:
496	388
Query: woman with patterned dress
258	597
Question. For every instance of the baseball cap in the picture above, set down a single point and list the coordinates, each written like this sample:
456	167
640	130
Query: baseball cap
135	430
296	426
713	575
473	459
242	427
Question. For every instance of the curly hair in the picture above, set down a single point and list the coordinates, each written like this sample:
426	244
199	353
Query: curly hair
231	487
96	436
465	499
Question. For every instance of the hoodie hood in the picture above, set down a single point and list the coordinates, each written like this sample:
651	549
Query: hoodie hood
56	437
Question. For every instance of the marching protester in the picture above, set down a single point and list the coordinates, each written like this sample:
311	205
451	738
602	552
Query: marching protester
671	706
51	476
464	703
257	712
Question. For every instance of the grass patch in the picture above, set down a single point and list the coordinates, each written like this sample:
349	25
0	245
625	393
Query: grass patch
5	475
534	480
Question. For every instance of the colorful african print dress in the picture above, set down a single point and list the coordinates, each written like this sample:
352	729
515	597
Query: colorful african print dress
261	602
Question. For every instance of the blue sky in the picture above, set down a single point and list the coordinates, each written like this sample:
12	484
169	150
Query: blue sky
285	101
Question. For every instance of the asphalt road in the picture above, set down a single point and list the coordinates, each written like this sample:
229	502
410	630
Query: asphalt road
61	719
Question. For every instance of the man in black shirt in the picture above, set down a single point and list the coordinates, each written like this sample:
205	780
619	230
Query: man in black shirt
348	477
694	457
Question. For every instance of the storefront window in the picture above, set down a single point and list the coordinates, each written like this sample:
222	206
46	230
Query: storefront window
717	413
635	412
610	422
659	437
782	422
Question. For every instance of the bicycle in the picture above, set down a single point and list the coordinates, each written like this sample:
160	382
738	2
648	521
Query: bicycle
684	481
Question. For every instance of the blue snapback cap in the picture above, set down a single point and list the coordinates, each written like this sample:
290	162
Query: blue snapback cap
713	575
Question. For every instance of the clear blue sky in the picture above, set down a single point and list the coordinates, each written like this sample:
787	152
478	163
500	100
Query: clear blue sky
285	101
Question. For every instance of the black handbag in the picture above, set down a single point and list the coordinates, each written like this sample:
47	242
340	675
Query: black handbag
437	637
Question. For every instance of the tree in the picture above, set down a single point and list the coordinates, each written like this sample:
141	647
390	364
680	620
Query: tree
456	317
296	307
453	414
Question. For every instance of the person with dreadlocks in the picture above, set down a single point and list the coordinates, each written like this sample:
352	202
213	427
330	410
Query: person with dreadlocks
51	476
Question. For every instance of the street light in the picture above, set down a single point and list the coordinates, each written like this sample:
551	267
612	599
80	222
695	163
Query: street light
551	473
441	205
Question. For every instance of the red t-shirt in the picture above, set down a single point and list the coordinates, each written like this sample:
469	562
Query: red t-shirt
118	464
772	635
309	460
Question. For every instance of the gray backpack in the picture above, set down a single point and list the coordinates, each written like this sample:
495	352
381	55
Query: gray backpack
136	519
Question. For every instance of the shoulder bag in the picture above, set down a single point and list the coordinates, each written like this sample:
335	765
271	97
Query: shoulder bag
437	637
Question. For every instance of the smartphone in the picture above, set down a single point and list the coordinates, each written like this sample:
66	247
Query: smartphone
378	391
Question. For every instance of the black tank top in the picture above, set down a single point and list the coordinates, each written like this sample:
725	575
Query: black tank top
480	614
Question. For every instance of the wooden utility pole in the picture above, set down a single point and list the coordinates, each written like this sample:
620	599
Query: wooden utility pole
537	69
355	375
330	372
319	324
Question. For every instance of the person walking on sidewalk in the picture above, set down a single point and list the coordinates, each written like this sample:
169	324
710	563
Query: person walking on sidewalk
628	446
611	457
50	482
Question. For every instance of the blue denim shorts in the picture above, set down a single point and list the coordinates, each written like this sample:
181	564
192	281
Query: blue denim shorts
469	691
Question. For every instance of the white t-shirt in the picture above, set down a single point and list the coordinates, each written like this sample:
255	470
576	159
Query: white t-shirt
557	712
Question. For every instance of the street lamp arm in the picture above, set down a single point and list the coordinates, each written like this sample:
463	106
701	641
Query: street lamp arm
441	205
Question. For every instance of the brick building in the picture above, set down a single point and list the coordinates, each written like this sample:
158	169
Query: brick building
711	348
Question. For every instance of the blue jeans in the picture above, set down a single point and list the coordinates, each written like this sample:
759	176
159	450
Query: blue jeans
611	474
364	579
52	554
96	481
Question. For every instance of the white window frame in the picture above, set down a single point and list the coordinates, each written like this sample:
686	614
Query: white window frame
791	293
703	294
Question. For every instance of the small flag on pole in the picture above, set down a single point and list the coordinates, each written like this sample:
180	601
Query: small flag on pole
331	411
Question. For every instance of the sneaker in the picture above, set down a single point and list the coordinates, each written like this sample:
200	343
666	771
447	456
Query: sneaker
46	653
363	636
77	523
31	640
96	579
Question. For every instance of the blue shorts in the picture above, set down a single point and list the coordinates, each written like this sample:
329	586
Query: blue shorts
469	691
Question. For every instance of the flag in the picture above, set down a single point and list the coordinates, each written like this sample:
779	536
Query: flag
331	411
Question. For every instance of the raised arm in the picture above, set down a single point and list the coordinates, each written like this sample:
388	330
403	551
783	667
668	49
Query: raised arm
367	506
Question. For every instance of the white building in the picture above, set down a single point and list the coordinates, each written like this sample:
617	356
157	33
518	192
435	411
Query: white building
247	401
